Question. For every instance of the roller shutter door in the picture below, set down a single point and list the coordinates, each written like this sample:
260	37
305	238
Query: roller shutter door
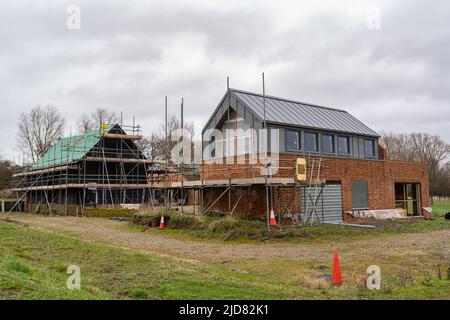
329	205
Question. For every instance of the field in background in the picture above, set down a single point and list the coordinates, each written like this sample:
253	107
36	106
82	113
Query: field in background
34	259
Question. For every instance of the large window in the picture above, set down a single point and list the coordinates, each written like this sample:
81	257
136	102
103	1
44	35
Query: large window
311	142
292	140
369	148
213	151
359	195
344	145
327	143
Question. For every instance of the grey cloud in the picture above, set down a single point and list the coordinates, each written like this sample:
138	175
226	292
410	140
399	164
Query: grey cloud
129	55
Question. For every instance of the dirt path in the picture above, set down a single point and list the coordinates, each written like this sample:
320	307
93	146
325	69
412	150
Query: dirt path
116	234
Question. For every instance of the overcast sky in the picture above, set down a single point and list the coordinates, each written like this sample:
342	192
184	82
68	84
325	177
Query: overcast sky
392	73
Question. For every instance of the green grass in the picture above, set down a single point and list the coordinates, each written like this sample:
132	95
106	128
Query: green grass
106	213
440	208
240	230
33	265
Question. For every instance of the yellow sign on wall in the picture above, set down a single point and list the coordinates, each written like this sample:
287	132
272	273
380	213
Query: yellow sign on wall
300	169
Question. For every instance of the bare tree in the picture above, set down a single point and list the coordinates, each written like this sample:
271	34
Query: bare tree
39	130
421	147
442	184
93	121
6	172
154	147
84	124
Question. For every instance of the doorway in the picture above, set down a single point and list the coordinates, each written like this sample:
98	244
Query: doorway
407	197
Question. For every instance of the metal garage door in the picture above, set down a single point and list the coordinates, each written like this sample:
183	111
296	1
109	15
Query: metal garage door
329	204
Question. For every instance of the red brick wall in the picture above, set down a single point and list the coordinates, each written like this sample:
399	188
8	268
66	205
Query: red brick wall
381	175
252	201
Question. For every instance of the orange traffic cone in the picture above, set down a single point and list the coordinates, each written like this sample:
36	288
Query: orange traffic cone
272	220
337	275
162	223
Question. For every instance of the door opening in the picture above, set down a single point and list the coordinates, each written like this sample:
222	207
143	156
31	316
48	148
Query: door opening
407	197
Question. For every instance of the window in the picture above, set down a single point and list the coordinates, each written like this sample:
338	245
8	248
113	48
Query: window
243	141
359	195
369	150
327	143
292	140
229	143
311	142
213	151
344	145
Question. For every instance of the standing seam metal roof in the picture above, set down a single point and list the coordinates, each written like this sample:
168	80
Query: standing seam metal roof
283	111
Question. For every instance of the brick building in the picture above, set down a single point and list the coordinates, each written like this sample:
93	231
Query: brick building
355	174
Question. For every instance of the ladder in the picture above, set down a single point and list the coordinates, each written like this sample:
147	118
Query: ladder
313	192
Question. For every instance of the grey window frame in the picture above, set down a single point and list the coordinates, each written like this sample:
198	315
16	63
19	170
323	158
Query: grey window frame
373	148
299	140
333	144
317	141
348	146
213	141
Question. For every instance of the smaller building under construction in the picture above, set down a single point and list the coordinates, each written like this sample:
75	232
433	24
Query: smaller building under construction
100	168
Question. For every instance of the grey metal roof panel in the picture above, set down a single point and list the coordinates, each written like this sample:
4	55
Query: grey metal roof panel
301	114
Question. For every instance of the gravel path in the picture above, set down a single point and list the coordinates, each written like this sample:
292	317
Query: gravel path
116	234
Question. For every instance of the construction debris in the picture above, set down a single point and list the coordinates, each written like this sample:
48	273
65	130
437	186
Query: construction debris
427	213
344	224
378	214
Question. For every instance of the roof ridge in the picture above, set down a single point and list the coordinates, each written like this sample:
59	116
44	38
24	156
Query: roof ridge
91	132
288	100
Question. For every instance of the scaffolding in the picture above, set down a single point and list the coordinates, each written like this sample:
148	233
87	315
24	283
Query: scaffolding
105	167
111	167
115	172
229	180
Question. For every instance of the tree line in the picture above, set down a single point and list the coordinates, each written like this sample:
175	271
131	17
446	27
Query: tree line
6	172
42	127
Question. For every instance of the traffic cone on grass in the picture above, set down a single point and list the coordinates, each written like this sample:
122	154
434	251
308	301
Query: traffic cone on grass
272	220
336	280
162	223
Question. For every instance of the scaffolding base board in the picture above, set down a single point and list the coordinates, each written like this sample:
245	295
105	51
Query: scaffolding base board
84	186
226	183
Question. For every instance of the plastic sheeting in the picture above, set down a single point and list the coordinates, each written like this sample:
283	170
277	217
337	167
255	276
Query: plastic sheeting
379	214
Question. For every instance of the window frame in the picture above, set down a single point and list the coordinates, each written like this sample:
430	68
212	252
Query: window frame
333	144
317	141
348	146
299	140
212	141
373	148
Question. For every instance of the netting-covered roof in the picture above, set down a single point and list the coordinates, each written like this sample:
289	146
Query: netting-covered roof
71	149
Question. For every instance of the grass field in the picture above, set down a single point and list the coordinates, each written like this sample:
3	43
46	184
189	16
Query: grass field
240	230
33	265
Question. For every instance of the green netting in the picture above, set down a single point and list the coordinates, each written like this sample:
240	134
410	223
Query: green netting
71	149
